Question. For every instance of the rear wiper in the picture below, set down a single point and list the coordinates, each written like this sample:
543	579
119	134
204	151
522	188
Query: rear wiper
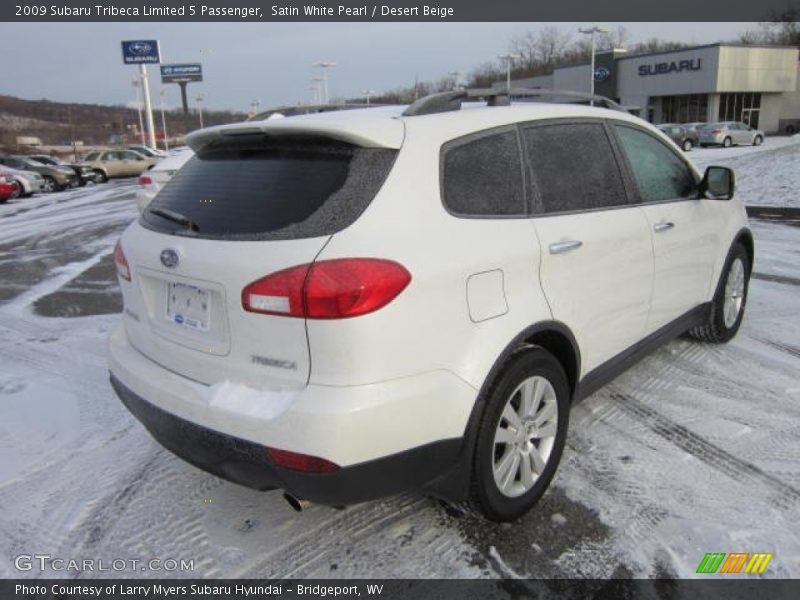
176	217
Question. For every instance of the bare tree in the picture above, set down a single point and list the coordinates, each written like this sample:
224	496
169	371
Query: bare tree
540	50
485	75
618	38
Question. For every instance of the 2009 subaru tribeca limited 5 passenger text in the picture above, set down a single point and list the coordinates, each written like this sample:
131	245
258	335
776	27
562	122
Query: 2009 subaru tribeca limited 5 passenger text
392	299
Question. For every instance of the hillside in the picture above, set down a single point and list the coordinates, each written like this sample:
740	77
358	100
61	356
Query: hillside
91	123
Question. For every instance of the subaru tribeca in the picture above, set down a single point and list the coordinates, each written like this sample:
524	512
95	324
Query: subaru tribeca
391	299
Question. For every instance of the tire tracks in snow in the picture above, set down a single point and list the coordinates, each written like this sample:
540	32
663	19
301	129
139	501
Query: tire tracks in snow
776	278
784	495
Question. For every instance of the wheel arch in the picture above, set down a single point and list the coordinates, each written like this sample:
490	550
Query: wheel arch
553	336
745	238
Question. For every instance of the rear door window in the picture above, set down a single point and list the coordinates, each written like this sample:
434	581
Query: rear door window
482	175
659	172
271	189
573	167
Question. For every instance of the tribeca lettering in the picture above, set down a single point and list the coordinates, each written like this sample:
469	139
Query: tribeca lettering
693	64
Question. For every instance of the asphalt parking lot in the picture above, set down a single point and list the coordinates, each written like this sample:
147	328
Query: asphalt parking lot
694	450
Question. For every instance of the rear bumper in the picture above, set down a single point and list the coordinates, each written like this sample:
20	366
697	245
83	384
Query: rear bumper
387	437
246	463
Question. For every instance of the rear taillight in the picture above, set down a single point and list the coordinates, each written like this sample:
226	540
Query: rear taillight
144	180
328	289
123	270
300	462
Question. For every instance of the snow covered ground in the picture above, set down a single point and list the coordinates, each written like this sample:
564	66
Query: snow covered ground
767	175
695	450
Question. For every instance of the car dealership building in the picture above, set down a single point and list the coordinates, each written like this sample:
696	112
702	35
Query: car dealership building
759	85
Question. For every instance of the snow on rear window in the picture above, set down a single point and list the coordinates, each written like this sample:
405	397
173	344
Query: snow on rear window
277	189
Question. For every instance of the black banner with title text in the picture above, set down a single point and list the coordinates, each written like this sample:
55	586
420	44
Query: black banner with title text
397	10
733	588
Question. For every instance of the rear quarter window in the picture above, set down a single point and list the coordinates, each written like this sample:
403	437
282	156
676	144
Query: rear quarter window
482	176
272	189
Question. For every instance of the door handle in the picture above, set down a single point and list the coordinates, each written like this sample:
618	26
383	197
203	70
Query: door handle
663	226
561	247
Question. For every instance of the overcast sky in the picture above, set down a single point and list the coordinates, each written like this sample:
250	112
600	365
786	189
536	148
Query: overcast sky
271	62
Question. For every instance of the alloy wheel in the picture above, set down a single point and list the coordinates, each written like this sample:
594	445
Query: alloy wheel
525	436
734	293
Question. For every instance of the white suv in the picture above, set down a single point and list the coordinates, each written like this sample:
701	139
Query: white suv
392	299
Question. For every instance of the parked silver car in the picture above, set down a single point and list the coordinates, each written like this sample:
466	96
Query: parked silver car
29	182
728	133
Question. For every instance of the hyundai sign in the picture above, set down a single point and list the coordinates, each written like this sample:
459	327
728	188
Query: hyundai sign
181	73
137	52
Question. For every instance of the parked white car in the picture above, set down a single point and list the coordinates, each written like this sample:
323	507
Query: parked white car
150	182
349	305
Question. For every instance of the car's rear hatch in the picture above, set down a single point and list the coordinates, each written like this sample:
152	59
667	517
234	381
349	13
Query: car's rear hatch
246	206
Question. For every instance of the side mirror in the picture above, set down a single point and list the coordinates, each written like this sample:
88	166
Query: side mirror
719	183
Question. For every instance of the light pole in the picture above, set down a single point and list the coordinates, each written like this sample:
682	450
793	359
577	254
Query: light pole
456	75
254	104
136	83
594	30
316	85
368	94
325	65
163	120
509	59
199	99
148	107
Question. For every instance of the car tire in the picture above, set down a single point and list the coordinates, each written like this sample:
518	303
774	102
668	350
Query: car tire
101	177
49	184
758	140
520	436
791	129
730	299
20	193
687	145
727	142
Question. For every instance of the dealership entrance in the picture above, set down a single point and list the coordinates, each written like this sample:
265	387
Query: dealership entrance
742	106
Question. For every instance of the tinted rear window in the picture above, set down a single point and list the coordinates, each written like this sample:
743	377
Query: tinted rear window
278	189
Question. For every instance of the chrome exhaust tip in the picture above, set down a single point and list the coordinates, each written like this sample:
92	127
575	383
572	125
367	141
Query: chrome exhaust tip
296	503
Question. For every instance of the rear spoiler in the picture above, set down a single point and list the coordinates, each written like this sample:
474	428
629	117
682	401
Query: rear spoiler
367	132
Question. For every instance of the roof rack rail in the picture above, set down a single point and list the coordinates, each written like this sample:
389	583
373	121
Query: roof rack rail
451	101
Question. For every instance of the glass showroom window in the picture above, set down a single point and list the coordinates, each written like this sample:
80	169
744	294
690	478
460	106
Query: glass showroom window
686	108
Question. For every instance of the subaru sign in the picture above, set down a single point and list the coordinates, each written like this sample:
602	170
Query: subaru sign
137	52
181	73
694	64
601	73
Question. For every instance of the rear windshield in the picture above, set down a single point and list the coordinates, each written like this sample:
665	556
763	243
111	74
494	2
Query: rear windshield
277	189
